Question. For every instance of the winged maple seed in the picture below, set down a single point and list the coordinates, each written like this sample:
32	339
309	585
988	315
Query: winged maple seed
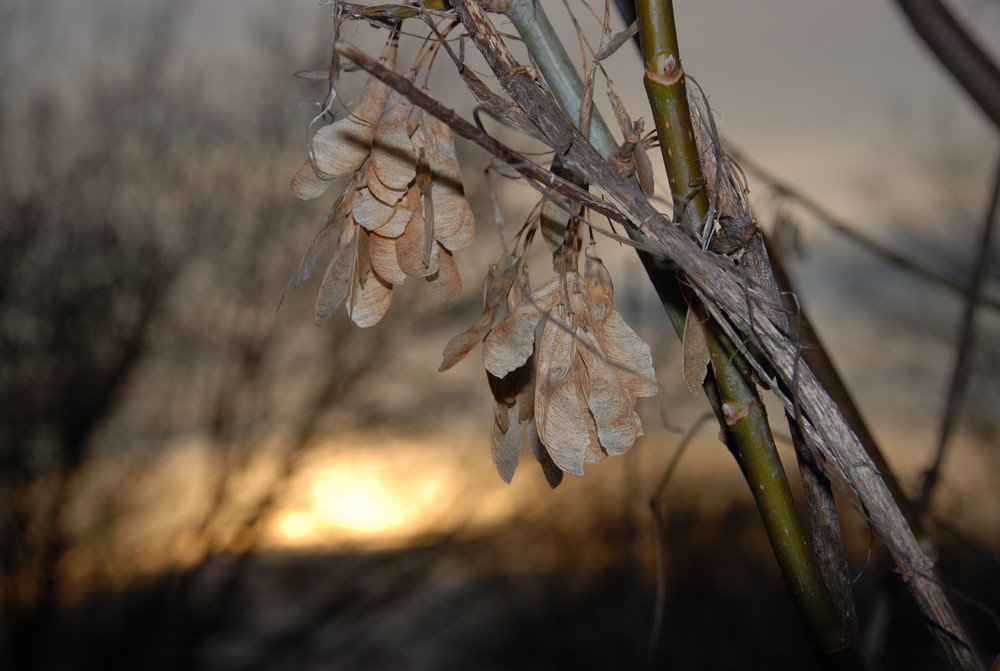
573	397
404	213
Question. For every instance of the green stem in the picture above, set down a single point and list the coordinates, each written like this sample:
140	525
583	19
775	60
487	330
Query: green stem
731	390
667	93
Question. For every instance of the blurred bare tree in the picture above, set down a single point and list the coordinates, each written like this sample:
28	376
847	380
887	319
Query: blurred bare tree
142	252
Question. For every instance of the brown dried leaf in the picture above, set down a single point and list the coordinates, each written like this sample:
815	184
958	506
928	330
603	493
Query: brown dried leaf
370	300
383	258
560	405
643	169
561	422
371	212
336	284
696	356
341	147
410	248
629	354
393	157
454	223
341	210
379	188
510	344
446	281
600	290
495	287
508	435
505	441
397	222
612	406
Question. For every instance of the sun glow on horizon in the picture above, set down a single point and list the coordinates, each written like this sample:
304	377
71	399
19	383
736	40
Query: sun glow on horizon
363	500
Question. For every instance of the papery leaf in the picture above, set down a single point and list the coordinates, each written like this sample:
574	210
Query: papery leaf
383	258
562	425
340	271
507	436
505	441
370	300
341	147
495	287
446	280
643	169
560	407
611	405
696	355
341	209
393	157
629	354
379	189
371	212
410	248
454	223
397	222
600	290
510	344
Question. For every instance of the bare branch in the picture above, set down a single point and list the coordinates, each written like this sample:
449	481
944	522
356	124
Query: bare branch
958	52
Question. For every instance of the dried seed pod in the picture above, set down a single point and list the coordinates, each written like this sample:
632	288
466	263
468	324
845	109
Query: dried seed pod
393	158
341	147
495	288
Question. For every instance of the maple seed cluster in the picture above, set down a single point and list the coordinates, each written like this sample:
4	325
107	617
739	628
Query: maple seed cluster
573	397
569	391
404	212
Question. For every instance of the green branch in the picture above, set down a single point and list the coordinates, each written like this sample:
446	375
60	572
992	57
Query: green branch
732	392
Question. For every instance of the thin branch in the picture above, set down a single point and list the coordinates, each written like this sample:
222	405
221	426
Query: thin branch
863	240
963	358
958	52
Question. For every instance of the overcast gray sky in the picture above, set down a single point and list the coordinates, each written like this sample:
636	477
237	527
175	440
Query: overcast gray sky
808	87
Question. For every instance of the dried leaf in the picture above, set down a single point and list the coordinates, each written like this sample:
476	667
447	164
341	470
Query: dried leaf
446	281
341	210
341	147
696	355
600	290
507	436
454	223
410	248
510	344
397	222
336	284
505	441
383	258
495	287
560	412
371	212
629	354
370	300
612	406
393	157
379	189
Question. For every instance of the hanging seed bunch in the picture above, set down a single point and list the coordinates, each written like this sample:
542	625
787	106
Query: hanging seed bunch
403	213
564	367
570	391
